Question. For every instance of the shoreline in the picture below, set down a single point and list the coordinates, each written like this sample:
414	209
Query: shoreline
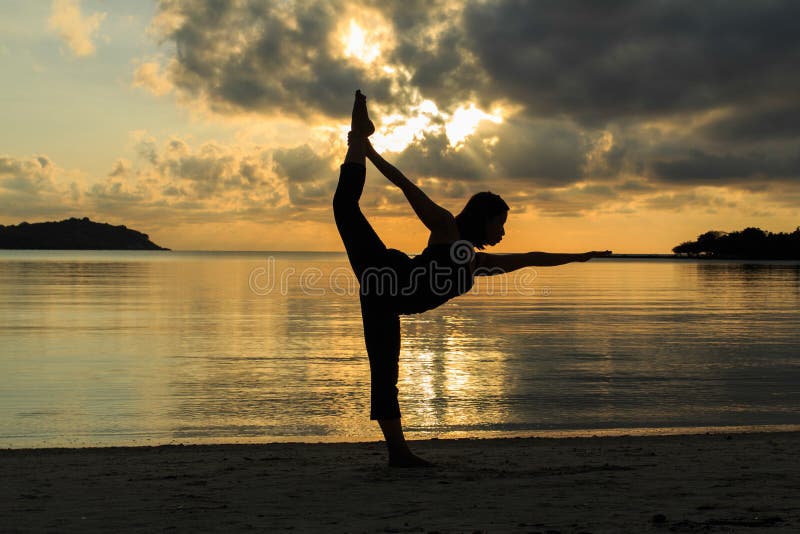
412	435
683	483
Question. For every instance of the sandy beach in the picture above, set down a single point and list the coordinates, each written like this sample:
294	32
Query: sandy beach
690	483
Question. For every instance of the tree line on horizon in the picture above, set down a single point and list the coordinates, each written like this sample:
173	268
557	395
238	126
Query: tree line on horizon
73	234
750	243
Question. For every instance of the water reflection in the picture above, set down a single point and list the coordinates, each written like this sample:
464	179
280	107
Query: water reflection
288	364
101	349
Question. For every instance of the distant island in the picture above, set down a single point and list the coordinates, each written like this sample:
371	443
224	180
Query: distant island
750	243
73	234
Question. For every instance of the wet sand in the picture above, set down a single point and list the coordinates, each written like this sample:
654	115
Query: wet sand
692	483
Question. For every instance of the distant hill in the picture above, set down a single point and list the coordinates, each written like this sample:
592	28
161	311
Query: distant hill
750	243
73	234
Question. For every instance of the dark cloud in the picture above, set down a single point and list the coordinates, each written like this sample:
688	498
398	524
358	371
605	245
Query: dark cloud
547	153
432	156
442	66
766	123
595	62
266	56
633	186
603	61
540	152
697	167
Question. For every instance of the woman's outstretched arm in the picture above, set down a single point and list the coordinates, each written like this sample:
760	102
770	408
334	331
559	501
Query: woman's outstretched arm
438	220
489	264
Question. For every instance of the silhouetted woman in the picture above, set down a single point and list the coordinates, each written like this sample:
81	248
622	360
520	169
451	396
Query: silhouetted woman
393	284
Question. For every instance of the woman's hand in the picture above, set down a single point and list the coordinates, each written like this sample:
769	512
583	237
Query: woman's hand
351	136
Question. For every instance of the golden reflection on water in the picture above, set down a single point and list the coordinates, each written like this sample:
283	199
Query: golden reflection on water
117	348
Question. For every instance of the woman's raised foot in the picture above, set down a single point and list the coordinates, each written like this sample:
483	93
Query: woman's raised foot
360	121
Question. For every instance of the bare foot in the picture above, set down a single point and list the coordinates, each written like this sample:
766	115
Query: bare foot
360	122
408	460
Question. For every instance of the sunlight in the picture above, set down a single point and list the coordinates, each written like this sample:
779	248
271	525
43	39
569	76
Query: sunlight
398	131
465	120
359	45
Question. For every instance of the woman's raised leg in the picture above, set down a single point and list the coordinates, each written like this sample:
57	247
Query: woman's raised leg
364	247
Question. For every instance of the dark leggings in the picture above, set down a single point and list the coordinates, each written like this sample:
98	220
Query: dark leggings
381	325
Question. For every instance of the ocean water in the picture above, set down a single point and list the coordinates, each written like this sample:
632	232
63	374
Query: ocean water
138	348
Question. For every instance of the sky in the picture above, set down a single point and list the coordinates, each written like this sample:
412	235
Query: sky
220	125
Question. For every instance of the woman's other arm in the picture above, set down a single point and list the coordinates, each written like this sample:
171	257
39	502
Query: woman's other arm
438	220
489	264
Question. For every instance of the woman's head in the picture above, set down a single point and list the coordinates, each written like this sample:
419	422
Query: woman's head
482	219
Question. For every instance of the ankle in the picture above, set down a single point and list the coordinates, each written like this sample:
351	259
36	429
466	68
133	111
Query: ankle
398	450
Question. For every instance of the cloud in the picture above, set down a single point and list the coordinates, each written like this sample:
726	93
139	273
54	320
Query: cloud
122	167
26	175
212	179
35	187
73	28
311	178
619	91
540	152
769	122
431	155
592	63
170	181
693	200
600	62
265	56
150	77
533	152
573	201
699	167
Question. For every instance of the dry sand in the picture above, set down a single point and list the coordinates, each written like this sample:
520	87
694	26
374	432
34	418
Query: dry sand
700	483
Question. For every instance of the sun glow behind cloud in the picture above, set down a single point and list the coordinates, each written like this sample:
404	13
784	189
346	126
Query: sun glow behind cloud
360	44
366	37
397	131
465	120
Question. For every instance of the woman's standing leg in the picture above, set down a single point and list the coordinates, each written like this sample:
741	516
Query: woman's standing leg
382	337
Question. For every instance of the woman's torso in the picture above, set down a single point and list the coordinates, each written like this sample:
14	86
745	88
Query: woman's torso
414	285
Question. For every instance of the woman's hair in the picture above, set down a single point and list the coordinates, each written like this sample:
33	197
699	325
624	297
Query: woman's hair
473	218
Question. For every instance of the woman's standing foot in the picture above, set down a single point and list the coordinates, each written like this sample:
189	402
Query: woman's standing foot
408	460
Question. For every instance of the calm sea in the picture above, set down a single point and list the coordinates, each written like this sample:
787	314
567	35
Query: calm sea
120	348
